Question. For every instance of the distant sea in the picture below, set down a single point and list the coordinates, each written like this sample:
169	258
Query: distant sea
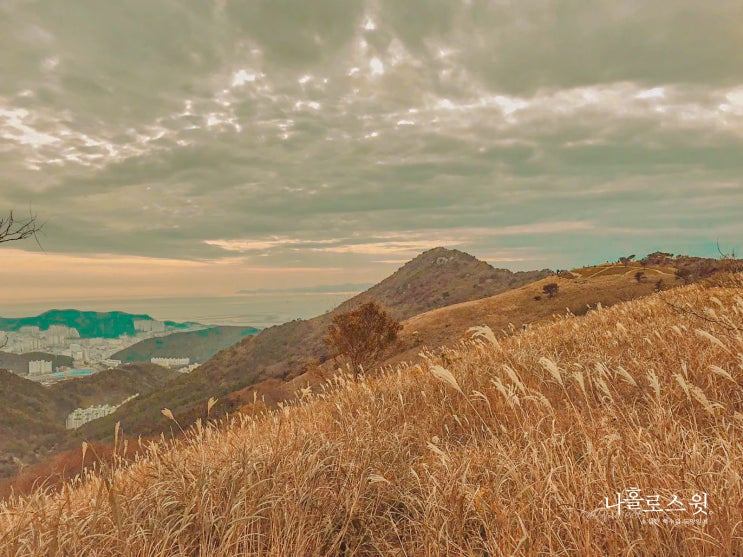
259	310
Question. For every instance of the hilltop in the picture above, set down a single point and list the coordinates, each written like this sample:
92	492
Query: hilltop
198	346
449	456
435	278
90	324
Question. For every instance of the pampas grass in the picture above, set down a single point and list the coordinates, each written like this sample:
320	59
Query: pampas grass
513	448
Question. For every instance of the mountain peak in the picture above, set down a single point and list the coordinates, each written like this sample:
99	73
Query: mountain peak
439	277
440	256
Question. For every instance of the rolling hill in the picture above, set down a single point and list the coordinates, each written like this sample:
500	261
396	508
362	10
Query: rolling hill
198	346
288	366
435	278
504	313
280	358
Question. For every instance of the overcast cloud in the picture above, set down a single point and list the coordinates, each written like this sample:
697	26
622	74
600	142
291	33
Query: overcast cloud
345	136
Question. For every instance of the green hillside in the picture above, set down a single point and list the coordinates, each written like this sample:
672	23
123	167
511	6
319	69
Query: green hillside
199	346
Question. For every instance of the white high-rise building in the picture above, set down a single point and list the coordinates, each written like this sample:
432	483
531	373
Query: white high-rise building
82	416
170	362
79	354
39	367
149	326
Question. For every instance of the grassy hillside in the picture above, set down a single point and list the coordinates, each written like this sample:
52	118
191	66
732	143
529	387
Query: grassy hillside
30	425
113	385
504	313
436	278
510	448
199	346
518	308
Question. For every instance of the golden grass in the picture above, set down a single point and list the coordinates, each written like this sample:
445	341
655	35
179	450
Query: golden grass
490	448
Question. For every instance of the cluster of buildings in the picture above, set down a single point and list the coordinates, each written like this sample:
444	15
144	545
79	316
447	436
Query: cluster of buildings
39	367
182	365
89	353
65	341
149	326
171	362
30	339
81	416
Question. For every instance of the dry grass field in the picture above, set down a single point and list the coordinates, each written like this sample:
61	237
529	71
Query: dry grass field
491	447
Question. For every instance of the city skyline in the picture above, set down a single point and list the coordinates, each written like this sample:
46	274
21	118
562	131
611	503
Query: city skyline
203	149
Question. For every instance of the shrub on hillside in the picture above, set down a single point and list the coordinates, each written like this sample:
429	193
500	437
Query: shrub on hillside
362	334
551	289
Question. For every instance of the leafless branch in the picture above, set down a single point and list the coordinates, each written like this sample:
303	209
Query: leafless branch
724	255
13	229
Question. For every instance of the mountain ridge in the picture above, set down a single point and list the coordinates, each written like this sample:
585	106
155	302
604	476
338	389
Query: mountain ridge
434	278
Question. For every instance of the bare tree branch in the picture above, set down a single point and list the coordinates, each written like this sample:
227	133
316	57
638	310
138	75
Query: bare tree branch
13	229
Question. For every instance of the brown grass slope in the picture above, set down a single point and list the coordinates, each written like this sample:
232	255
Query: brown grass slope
511	449
30	424
515	309
504	313
436	278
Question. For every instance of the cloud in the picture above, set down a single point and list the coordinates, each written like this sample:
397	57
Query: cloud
338	133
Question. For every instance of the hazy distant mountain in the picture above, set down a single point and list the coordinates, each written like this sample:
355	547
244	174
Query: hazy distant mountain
90	324
199	346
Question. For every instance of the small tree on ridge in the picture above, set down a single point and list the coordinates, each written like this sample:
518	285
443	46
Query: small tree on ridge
551	289
361	334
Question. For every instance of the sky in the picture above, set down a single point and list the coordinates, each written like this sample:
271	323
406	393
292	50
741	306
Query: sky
202	148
